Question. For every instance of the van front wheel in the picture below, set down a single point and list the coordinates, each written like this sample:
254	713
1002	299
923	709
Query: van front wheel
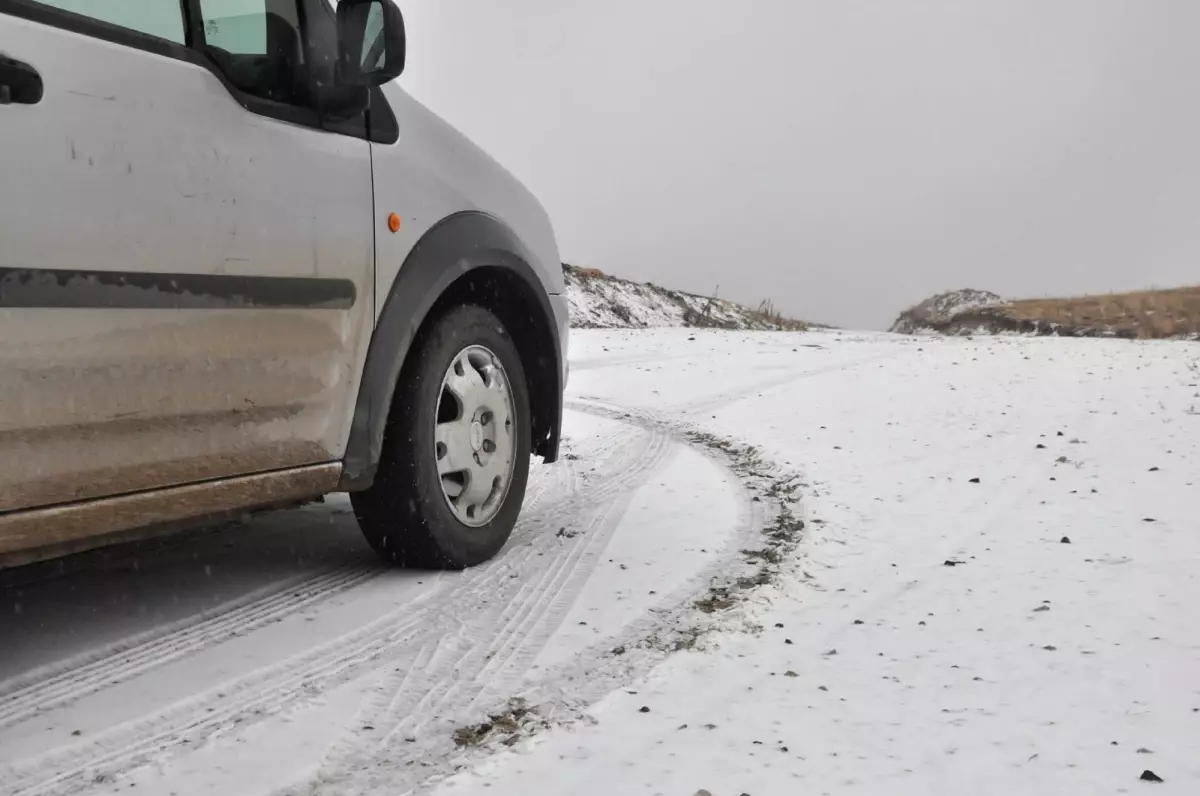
455	458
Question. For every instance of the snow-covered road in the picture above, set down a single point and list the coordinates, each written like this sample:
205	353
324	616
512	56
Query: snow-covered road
994	593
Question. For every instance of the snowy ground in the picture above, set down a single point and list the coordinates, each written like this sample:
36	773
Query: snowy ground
277	658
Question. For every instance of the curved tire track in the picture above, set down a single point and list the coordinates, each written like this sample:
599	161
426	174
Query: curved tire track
469	647
36	692
304	677
469	667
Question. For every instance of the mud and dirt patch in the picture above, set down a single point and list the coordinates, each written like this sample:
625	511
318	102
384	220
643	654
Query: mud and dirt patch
506	727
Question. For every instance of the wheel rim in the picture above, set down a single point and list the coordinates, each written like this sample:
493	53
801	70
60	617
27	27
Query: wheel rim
474	436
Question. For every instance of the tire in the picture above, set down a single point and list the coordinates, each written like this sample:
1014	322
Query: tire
409	514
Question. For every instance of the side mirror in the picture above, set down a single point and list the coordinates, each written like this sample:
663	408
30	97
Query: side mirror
371	42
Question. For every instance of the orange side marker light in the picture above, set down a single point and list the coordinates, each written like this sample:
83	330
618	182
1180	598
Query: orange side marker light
393	222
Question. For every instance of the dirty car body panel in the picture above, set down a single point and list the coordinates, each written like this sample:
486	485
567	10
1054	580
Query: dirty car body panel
199	285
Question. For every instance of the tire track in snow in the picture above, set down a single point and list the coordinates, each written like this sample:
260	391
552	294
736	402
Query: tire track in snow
723	399
595	672
463	674
36	692
474	642
28	695
304	677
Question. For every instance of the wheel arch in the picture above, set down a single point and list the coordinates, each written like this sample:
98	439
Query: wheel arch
467	258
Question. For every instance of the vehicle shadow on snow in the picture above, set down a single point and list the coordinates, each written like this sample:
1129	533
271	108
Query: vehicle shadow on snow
54	609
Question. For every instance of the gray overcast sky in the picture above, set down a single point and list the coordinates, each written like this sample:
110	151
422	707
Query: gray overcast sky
844	158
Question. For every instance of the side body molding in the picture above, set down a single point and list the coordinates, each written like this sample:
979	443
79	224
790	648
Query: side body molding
444	264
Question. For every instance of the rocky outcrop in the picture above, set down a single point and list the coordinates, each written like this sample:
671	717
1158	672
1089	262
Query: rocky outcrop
938	312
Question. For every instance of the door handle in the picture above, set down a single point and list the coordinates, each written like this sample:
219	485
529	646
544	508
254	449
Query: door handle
19	82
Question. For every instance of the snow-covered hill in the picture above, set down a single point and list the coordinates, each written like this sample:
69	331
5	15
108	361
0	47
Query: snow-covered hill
937	310
600	301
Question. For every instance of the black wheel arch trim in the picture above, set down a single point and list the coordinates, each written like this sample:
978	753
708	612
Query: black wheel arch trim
452	248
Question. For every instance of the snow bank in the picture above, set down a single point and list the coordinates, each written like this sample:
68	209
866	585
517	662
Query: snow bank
600	301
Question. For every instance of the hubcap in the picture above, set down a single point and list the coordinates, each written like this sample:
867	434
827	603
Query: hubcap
473	438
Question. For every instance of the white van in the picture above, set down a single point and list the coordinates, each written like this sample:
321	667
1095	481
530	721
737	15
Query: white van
240	268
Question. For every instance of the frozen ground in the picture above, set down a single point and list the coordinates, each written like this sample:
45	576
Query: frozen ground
276	658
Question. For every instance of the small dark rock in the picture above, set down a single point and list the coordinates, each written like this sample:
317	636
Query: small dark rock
921	622
1041	446
643	709
619	650
1154	469
76	733
1065	540
1050	648
822	688
779	624
974	481
787	641
1061	434
858	621
783	748
1150	776
1144	751
950	562
1149	519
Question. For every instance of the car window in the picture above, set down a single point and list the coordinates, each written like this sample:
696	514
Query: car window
373	53
161	18
258	46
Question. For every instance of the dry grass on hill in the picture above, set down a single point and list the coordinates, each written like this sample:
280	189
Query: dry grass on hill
1144	314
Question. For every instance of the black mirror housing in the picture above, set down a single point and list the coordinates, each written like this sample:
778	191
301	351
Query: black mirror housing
371	42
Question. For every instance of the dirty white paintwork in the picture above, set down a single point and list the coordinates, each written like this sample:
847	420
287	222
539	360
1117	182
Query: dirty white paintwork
143	163
432	171
149	164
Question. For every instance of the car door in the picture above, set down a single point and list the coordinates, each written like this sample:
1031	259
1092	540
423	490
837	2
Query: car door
186	256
